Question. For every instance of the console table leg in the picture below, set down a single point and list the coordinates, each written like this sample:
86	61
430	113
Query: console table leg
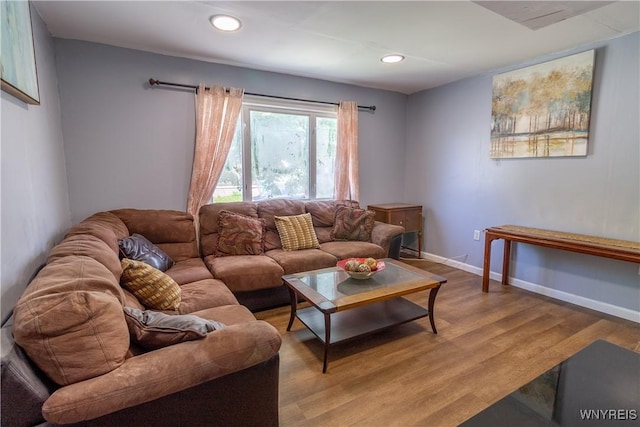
488	238
505	261
432	300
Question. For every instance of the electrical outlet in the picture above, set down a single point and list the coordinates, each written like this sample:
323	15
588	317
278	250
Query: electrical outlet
476	234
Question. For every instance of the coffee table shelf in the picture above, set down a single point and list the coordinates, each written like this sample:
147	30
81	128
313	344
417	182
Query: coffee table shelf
368	319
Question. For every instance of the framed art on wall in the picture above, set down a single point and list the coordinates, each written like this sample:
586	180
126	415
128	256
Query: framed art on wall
543	110
18	59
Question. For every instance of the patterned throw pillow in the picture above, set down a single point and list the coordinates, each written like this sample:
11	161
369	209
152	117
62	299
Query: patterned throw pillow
138	248
240	234
296	232
152	329
152	287
353	224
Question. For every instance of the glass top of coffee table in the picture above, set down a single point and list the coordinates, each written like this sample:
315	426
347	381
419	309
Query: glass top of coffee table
332	289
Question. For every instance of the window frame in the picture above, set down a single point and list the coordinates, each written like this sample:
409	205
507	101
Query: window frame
312	111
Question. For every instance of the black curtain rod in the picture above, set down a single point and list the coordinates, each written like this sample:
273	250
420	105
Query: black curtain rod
154	82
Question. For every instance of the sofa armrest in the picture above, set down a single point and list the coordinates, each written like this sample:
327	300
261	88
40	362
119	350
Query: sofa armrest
383	233
164	371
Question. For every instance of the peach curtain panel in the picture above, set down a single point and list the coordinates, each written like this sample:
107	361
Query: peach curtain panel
347	182
217	113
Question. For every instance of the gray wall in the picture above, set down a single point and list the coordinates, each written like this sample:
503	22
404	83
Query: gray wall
35	200
449	171
129	145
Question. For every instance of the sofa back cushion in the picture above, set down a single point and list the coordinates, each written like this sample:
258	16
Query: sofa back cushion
103	225
269	209
323	213
172	231
91	246
209	222
70	322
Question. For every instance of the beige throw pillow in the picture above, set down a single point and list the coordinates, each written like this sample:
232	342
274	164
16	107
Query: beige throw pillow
296	232
153	288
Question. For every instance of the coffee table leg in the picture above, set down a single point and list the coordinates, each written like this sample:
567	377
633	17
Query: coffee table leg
432	300
294	306
327	340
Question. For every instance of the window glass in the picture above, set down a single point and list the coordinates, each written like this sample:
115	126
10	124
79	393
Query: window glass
229	188
283	149
279	155
326	139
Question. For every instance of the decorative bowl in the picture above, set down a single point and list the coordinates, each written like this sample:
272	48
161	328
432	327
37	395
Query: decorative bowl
357	274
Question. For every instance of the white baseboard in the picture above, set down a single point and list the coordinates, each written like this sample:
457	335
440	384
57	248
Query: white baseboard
592	304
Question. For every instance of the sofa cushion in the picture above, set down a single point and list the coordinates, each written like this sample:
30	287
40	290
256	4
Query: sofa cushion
345	249
227	314
296	232
268	209
151	286
69	320
97	230
189	270
208	216
323	212
164	372
172	231
240	234
91	246
302	260
153	329
353	224
204	294
246	272
139	248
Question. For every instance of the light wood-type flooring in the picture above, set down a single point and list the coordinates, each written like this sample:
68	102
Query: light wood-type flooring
486	347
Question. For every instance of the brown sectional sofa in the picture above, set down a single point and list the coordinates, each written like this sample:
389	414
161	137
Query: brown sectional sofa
256	280
81	368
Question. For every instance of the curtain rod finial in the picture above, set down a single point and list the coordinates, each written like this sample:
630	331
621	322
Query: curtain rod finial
152	81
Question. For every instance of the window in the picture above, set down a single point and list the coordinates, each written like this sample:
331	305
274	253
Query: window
280	149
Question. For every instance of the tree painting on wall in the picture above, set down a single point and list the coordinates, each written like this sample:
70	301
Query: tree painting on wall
543	110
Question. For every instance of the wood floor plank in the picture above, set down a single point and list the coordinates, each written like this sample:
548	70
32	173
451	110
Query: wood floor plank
487	346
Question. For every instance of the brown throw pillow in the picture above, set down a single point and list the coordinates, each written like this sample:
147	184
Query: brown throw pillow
353	224
296	232
152	329
138	248
240	234
152	287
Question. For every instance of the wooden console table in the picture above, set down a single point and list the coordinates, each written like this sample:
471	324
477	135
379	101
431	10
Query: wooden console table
408	216
623	250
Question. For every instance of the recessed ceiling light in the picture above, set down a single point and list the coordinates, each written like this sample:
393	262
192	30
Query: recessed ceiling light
225	22
392	59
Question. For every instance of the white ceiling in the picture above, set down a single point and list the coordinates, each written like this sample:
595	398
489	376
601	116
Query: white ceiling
343	41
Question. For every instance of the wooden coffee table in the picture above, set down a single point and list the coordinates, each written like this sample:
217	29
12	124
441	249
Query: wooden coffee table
343	308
